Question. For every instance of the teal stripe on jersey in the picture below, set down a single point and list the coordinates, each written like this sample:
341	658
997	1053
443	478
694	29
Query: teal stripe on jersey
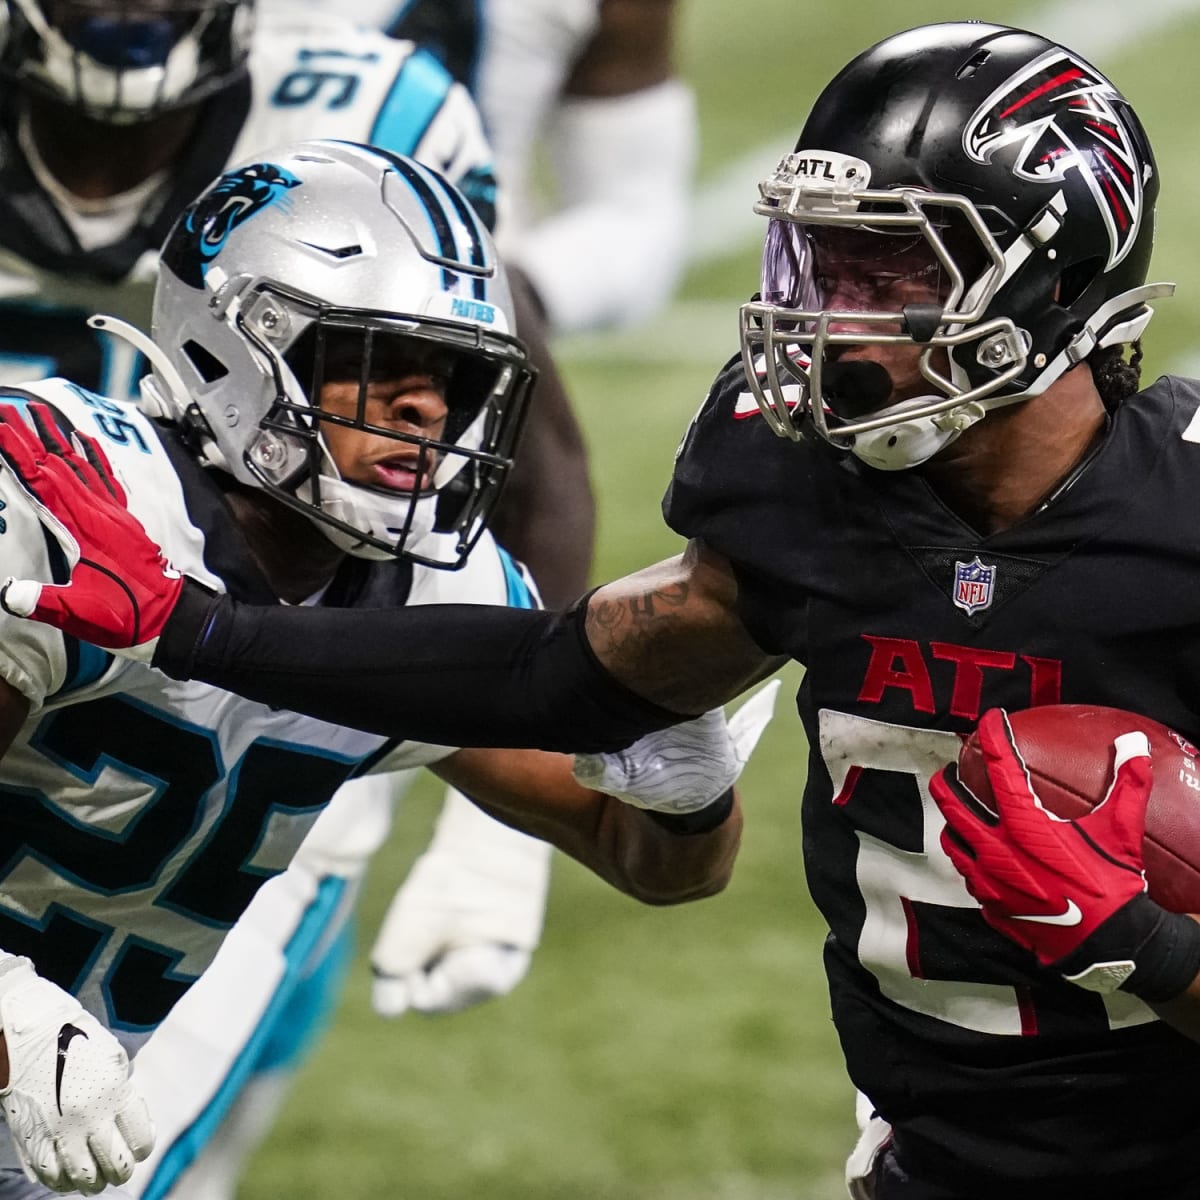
415	100
187	1147
85	664
520	595
310	1008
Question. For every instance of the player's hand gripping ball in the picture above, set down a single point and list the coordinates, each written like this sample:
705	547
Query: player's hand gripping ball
1068	754
1046	821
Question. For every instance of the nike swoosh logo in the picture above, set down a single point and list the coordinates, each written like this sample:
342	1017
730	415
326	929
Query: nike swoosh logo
66	1035
1069	916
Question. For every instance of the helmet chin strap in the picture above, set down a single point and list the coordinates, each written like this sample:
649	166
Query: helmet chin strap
910	443
373	514
858	389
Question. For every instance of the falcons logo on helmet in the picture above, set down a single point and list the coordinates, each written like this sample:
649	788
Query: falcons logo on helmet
1061	114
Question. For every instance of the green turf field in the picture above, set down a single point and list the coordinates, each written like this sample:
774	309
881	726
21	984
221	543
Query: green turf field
678	1054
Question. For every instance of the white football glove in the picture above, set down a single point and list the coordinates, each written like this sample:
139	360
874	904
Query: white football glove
464	926
685	767
76	1121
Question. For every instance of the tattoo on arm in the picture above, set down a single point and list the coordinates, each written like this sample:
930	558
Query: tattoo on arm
672	644
608	614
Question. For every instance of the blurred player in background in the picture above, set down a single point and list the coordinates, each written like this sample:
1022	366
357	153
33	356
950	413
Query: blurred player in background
591	83
932	477
113	115
338	395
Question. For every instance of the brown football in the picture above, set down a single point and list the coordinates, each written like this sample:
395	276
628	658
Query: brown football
1068	749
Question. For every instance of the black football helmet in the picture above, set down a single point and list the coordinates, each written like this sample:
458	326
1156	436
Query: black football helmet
124	61
997	166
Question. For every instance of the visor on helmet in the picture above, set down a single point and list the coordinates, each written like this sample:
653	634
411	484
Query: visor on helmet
865	268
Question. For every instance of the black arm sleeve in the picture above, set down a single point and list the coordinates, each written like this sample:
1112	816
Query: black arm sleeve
452	674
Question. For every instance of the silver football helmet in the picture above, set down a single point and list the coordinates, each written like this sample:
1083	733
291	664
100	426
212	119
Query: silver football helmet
326	262
971	189
124	61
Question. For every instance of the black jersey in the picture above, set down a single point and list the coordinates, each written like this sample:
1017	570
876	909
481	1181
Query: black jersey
910	624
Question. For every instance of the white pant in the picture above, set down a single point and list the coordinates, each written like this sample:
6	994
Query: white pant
193	1067
197	1062
874	1133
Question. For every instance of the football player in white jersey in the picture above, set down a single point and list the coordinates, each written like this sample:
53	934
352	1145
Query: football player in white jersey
592	81
113	115
308	449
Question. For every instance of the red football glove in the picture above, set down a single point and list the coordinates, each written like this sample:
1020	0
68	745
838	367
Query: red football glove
1071	891
121	590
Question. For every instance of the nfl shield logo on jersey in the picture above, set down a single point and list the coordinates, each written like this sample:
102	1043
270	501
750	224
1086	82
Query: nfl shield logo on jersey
974	585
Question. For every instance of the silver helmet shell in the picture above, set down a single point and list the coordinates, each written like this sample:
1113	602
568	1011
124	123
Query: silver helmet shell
305	248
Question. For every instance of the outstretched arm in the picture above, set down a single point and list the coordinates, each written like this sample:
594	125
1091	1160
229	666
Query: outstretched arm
658	820
626	846
671	633
641	654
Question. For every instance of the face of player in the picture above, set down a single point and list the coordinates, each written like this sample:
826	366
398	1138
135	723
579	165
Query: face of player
406	394
860	271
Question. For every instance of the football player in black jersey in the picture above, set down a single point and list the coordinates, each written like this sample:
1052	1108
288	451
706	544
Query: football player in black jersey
931	478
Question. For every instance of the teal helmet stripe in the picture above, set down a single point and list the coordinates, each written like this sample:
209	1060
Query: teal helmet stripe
439	223
470	219
430	188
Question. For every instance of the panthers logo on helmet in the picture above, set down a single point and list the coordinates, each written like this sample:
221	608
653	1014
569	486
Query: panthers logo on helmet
1062	115
205	227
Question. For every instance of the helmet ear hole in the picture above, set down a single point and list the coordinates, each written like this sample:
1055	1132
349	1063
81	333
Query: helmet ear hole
208	366
1075	280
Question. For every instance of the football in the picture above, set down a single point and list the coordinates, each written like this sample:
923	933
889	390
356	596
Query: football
1068	751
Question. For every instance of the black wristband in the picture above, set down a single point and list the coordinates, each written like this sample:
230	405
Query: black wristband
1164	948
186	628
703	820
1168	960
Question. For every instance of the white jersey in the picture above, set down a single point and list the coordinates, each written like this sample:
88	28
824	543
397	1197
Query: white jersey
143	813
513	55
320	77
